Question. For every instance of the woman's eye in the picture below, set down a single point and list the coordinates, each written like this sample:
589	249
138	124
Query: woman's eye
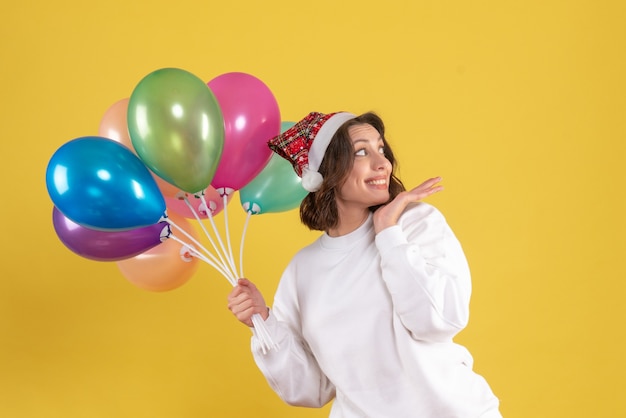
381	150
360	153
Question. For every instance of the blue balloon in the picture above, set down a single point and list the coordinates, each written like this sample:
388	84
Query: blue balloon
101	184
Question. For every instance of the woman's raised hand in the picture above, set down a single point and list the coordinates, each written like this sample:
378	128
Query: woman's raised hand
389	214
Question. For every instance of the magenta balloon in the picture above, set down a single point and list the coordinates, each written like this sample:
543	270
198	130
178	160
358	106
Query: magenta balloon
106	245
251	118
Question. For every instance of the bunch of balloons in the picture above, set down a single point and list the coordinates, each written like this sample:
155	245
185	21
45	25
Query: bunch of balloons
177	149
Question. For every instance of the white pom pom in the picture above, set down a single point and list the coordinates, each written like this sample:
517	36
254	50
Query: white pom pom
311	180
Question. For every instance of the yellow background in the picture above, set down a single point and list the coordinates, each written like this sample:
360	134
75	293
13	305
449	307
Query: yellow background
518	105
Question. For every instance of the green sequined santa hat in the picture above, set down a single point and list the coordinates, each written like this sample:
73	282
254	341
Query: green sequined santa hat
305	143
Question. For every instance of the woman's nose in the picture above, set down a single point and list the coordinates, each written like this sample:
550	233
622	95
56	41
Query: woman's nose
381	162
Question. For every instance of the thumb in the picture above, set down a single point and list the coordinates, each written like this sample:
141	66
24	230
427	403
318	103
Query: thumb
245	283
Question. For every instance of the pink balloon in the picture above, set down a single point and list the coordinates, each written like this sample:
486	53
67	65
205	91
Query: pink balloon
113	125
211	196
251	118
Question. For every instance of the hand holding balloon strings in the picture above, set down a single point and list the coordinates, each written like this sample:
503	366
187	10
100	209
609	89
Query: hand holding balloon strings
225	265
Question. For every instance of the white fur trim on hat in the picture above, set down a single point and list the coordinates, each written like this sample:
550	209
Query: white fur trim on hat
314	179
323	137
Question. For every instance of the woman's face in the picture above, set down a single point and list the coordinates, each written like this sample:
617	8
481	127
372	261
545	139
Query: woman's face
368	182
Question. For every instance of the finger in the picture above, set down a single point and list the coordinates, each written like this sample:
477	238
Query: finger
238	306
417	196
246	284
428	187
244	313
422	193
243	286
244	316
237	290
238	301
429	183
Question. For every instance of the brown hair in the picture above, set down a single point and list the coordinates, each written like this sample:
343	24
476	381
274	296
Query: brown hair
318	210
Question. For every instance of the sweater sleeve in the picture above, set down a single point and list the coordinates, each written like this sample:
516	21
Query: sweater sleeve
426	273
291	371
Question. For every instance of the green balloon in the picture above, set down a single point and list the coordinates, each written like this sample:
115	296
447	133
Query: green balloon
176	127
277	188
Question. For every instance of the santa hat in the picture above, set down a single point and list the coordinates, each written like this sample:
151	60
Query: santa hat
305	143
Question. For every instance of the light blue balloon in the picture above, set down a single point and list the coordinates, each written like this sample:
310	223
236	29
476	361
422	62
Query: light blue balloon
99	183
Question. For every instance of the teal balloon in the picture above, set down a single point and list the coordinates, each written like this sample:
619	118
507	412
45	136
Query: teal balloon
277	188
286	125
176	127
100	184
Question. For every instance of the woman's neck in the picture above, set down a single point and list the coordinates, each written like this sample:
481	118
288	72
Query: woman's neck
348	222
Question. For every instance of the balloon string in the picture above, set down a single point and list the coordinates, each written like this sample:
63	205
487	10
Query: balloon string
230	249
259	325
200	256
228	262
219	254
265	338
196	242
243	235
213	258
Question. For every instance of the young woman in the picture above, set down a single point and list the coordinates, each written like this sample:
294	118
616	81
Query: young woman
366	314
